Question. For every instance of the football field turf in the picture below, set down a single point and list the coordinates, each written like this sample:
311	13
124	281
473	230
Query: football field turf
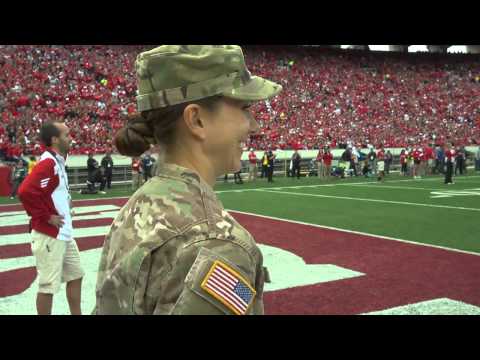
424	211
341	246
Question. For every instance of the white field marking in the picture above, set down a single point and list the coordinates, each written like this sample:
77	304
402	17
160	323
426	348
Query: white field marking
433	178
394	187
455	178
78	234
24	220
279	188
451	193
372	200
273	188
354	232
364	183
304	186
441	306
12	213
75	201
20	217
293	269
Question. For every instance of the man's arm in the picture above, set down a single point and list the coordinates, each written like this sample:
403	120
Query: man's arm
36	186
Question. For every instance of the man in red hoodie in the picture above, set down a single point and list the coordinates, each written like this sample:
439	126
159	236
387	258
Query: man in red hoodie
46	198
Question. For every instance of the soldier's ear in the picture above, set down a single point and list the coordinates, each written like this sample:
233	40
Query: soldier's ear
194	121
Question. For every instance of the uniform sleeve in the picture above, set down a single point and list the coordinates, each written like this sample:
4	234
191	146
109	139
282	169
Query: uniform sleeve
37	186
213	277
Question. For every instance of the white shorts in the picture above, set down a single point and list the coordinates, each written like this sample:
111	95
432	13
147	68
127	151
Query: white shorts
57	261
381	166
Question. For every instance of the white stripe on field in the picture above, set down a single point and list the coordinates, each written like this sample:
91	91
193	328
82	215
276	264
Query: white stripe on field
281	187
372	200
353	232
25	238
394	187
86	261
21	218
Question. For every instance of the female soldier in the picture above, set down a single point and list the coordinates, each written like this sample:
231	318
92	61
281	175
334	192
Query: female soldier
173	249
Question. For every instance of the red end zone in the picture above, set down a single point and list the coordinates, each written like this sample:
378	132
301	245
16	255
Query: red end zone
396	273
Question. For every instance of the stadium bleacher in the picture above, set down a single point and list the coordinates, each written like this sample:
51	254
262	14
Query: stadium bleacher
331	97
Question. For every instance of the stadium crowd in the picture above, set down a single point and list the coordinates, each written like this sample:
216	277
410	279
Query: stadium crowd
332	97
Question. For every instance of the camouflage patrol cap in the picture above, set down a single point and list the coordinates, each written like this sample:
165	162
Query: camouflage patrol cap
175	74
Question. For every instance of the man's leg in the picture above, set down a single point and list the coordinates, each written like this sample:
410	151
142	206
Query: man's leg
109	180
14	189
48	253
44	304
448	174
74	295
72	275
102	183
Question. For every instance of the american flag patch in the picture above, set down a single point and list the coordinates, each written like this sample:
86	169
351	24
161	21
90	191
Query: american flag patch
229	287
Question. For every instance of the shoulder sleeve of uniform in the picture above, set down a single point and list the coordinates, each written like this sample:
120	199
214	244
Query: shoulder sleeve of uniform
222	280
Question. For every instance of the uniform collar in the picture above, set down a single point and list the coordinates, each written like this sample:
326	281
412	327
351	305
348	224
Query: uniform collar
185	175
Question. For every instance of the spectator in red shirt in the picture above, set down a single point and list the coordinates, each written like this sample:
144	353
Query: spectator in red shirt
320	164
381	164
327	162
429	159
136	173
252	166
417	161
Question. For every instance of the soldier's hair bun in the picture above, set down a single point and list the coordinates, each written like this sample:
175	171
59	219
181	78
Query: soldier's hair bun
135	137
154	127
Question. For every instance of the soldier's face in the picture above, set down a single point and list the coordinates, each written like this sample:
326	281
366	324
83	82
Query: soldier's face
229	129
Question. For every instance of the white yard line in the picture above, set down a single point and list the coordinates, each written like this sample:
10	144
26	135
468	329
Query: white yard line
396	187
371	200
76	201
355	232
371	183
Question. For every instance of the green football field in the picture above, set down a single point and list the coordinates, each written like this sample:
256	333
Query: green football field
423	211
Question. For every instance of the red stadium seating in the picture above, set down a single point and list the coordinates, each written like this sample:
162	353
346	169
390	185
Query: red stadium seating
330	96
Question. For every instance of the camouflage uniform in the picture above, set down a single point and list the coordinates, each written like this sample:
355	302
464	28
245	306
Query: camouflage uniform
173	240
162	244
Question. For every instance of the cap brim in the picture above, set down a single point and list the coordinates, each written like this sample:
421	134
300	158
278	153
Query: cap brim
256	89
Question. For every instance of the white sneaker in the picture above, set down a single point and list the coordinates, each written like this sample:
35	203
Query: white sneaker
11	198
102	192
